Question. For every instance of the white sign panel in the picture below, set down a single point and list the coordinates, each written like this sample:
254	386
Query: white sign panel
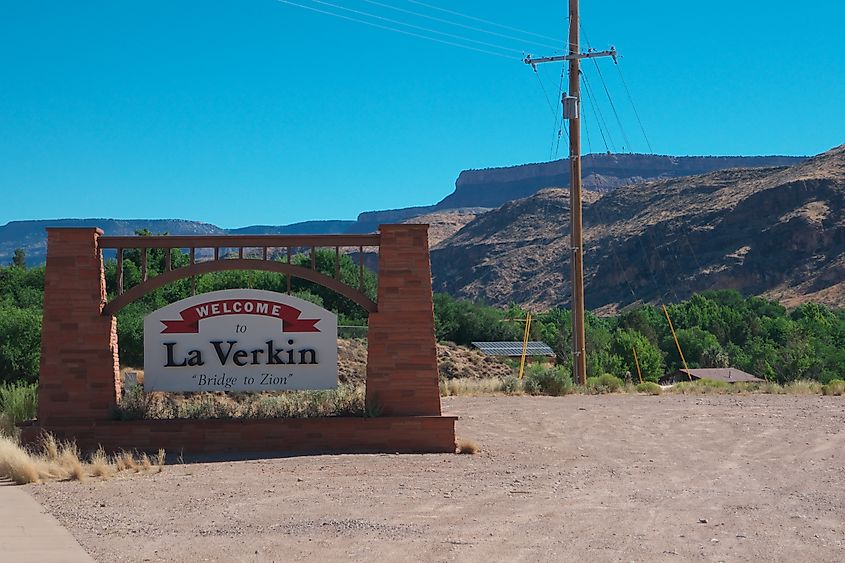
240	340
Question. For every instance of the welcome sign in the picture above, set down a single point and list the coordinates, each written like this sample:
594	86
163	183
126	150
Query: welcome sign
240	340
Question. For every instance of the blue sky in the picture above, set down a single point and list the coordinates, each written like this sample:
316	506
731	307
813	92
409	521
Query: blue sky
260	112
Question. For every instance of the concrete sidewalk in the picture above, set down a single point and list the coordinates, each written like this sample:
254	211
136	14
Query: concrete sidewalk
29	534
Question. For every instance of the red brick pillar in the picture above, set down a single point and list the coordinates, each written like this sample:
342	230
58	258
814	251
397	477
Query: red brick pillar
80	374
402	357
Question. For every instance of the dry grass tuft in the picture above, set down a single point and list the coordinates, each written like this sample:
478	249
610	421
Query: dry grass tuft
62	461
76	471
464	446
160	460
16	464
471	387
50	447
100	466
125	461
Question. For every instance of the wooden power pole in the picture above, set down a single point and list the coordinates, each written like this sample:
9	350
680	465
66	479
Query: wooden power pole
572	112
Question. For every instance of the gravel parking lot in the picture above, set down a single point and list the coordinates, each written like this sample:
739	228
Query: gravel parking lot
576	478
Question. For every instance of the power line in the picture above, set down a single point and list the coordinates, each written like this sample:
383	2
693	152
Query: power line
607	92
402	31
552	109
599	116
483	20
450	22
413	26
546	94
586	133
634	106
560	127
613	107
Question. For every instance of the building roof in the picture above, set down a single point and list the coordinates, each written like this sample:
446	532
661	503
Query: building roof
728	375
534	348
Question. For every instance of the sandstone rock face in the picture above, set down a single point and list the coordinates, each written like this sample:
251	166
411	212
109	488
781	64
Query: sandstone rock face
778	232
601	172
476	191
444	224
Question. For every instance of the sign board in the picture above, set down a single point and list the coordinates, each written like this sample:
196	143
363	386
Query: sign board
240	340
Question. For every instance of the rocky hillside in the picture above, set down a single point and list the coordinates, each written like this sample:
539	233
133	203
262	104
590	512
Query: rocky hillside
453	361
778	232
444	224
32	237
494	187
476	191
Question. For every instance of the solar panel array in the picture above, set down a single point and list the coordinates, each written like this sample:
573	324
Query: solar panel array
534	348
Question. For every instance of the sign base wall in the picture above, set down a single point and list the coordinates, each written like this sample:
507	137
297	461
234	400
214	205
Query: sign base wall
404	434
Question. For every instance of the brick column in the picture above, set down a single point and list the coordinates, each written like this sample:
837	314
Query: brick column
80	374
402	358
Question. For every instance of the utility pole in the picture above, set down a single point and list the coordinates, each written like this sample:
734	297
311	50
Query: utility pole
571	112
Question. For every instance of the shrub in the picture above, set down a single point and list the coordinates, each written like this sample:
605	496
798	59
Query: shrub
464	446
18	401
713	384
348	400
834	387
702	386
511	385
605	383
135	404
770	388
650	388
803	387
205	406
551	380
262	406
345	400
531	386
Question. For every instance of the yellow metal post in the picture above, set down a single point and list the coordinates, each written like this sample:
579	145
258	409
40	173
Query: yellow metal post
675	336
636	361
525	336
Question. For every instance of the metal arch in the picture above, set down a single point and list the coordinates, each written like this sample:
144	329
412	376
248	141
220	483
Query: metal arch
121	301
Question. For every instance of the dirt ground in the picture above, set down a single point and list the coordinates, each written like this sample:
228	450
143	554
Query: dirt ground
577	478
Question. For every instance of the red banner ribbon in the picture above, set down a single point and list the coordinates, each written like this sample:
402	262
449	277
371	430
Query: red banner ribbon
191	317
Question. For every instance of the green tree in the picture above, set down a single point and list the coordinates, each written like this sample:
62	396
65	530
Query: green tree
715	358
19	259
20	344
647	320
648	355
694	341
325	262
555	329
464	322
